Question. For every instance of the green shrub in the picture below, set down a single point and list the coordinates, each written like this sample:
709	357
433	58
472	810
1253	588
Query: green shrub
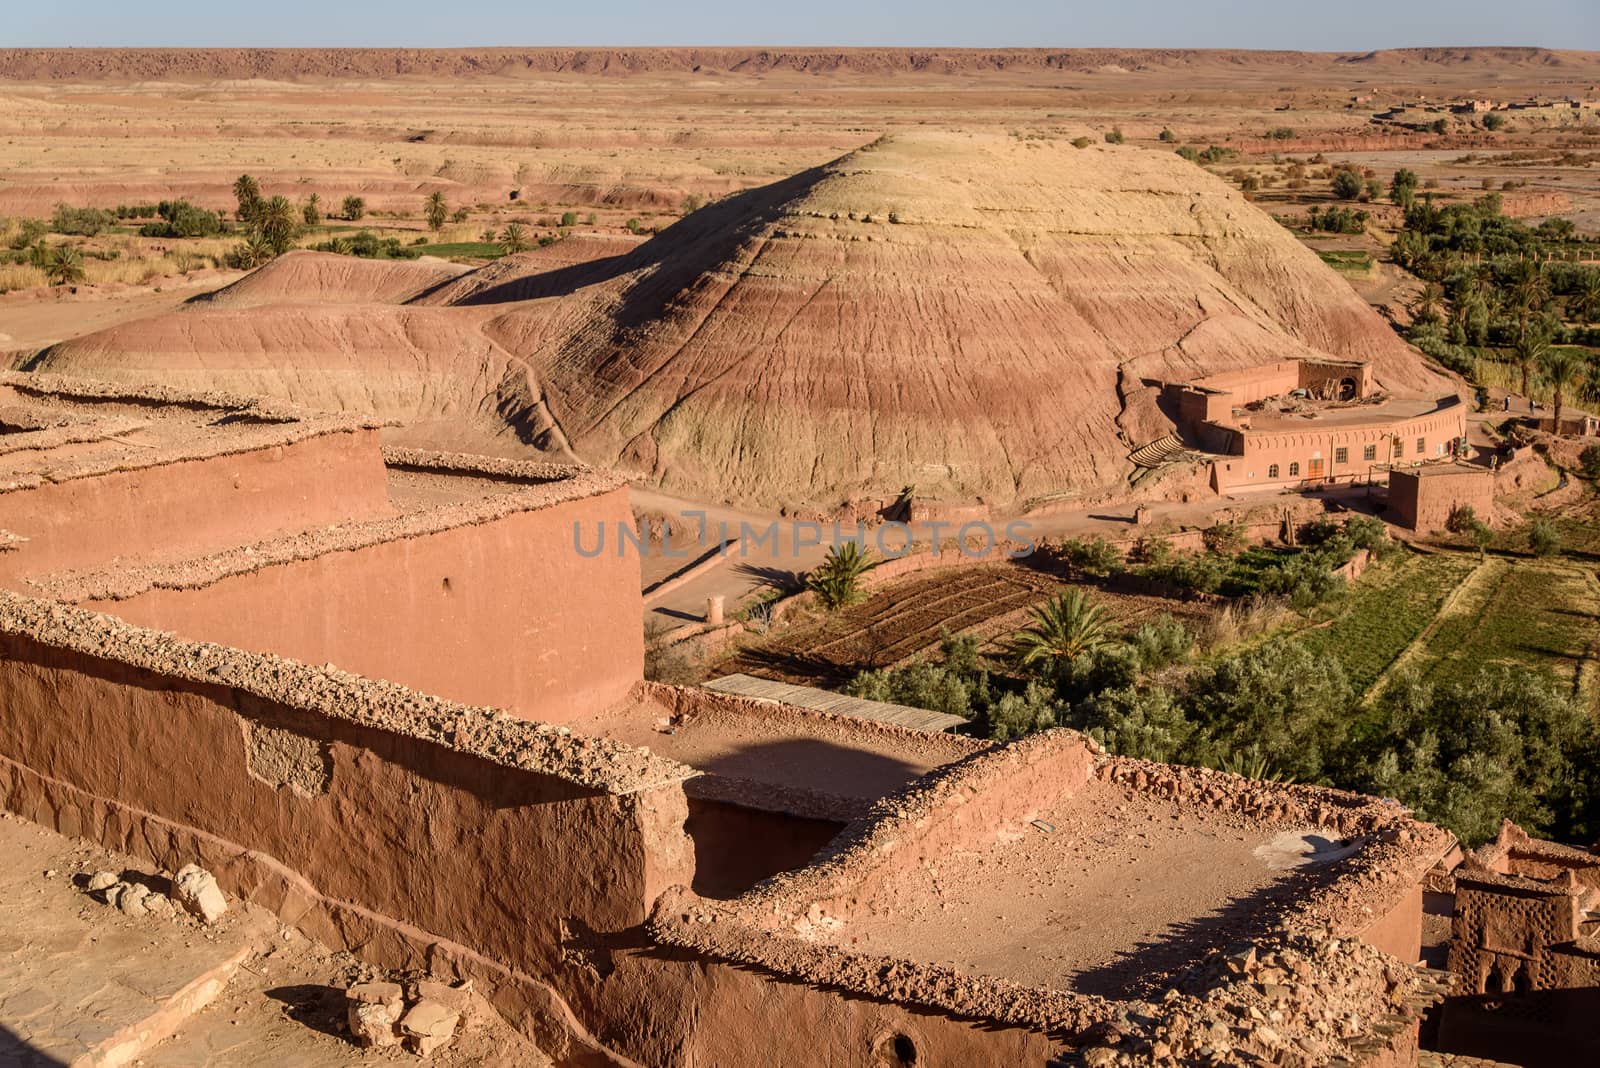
1147	724
1544	539
1203	572
1348	184
1225	537
1461	519
1096	556
1501	743
28	232
353	208
1280	697
81	222
1114	136
179	218
1162	642
1589	461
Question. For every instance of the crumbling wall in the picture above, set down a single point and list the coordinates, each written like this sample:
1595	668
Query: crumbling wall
1326	378
83	522
962	804
417	833
502	612
1250	384
724	1003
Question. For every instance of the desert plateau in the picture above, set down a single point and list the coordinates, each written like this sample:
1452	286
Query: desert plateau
698	557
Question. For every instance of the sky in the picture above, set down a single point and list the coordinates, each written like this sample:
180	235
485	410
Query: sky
1328	25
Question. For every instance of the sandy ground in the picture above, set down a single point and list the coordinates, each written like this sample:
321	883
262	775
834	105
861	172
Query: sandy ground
32	319
1118	890
75	972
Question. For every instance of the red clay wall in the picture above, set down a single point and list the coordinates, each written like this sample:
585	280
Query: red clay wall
1424	503
503	613
1399	931
410	853
715	1015
1263	449
85	522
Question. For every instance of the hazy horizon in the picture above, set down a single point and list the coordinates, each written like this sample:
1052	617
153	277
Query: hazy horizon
1354	26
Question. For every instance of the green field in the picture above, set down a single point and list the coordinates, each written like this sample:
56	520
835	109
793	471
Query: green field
1580	529
1537	613
1385	611
1351	260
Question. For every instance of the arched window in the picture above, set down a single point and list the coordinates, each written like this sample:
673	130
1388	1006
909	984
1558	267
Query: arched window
1272	471
1294	470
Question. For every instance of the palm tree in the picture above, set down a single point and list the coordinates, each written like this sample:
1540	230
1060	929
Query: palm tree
1063	629
837	580
436	211
1425	306
1585	305
247	191
277	223
62	264
1561	370
1528	351
312	210
514	238
250	253
1528	293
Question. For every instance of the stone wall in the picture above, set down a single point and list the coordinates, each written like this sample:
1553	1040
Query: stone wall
414	832
82	522
495	608
1423	501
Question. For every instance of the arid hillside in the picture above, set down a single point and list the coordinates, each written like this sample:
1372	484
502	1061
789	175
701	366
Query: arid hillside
977	316
179	64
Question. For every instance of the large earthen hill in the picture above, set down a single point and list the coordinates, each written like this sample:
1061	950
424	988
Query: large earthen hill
977	316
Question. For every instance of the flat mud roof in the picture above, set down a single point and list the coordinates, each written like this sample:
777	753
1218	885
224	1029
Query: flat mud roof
55	429
1038	881
1391	410
774	757
1102	889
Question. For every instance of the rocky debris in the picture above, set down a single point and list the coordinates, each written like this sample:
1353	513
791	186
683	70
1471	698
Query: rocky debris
427	1026
423	1016
374	1013
1304	1000
129	898
196	890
